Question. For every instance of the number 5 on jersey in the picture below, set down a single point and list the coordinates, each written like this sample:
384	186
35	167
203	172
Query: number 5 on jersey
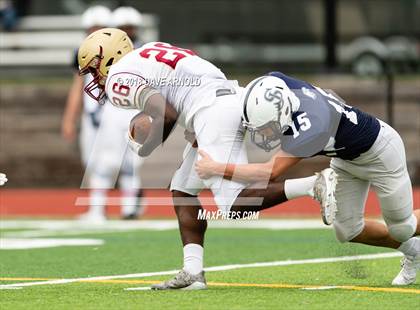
304	124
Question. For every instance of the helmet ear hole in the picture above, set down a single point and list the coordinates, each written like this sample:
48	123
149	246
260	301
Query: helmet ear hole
110	61
119	53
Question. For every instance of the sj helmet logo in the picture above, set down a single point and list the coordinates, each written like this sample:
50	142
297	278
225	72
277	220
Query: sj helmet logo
274	94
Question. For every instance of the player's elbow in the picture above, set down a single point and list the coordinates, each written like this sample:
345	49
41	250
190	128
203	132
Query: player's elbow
274	176
280	164
169	122
170	118
275	171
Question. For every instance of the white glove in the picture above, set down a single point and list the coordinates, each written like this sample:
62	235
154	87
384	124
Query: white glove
134	146
3	179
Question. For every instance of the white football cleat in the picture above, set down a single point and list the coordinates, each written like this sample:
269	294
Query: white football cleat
92	218
183	281
324	192
407	275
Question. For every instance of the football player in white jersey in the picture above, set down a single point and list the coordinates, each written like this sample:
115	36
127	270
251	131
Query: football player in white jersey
97	126
173	85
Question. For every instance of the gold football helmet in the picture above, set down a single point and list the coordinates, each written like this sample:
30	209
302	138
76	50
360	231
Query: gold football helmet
97	53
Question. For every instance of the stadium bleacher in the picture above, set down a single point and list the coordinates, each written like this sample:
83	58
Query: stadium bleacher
51	40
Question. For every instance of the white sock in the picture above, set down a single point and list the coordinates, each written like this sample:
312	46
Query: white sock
97	201
129	202
193	258
295	188
411	247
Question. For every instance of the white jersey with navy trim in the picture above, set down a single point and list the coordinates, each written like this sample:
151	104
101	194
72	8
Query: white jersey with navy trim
325	125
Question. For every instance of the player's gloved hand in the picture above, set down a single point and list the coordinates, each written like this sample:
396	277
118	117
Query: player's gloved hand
190	137
134	145
206	167
3	179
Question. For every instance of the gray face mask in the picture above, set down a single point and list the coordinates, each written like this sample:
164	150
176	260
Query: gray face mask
264	141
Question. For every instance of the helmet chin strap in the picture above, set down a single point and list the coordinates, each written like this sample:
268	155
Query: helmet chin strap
94	87
98	81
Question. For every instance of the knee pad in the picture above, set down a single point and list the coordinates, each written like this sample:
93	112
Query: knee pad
403	230
348	230
397	205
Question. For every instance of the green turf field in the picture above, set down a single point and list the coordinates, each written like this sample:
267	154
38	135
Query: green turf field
356	283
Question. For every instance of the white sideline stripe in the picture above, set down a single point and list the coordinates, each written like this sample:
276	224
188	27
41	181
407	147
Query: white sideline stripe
164	201
215	268
306	261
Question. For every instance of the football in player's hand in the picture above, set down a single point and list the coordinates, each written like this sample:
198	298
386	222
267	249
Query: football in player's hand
140	127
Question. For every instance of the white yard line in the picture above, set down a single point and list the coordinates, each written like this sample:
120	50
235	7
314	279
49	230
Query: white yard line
48	228
140	288
11	288
113	225
41	243
215	268
159	224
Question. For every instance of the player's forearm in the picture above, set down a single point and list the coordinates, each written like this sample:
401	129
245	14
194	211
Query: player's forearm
74	100
154	139
159	132
164	120
245	172
72	110
267	171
